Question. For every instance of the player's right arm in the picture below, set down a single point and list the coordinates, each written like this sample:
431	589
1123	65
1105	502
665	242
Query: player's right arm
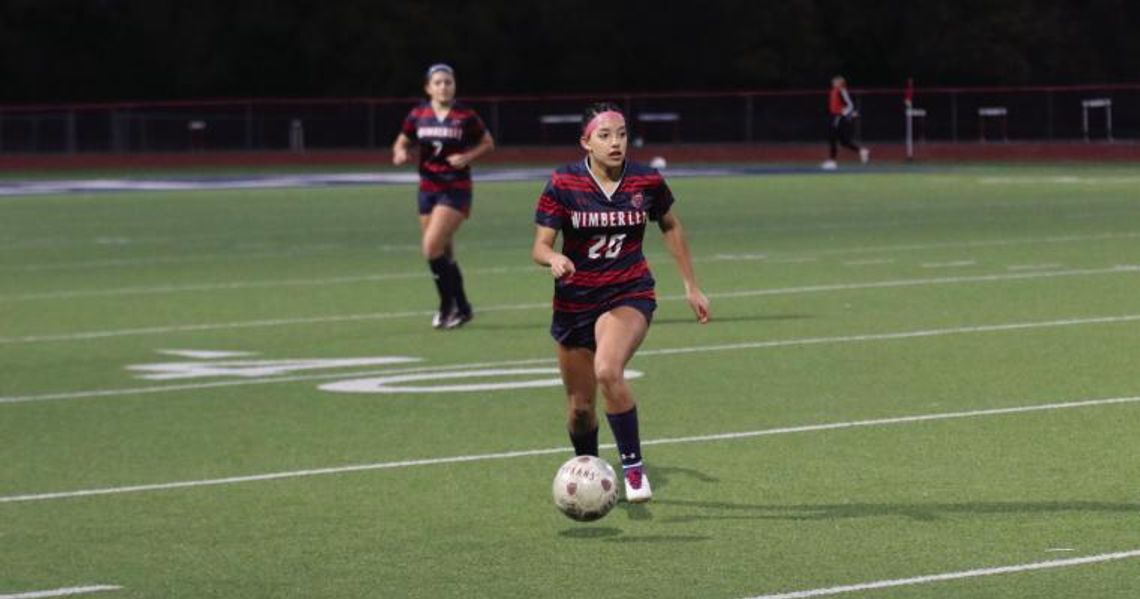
544	253
400	149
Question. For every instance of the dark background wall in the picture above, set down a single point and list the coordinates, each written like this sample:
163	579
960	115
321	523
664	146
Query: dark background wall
83	50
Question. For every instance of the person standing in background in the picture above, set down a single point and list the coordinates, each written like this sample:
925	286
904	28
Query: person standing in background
841	115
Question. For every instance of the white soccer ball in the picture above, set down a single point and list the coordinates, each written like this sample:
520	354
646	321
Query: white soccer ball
585	488
657	162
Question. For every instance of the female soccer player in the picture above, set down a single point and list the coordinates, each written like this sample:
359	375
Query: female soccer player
451	136
603	290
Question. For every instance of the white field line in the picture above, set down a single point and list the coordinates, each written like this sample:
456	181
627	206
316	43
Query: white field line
794	260
160	289
868	262
62	592
884	584
1122	268
156	330
129	262
979	243
556	450
994	328
949	264
1061	179
151	261
44	295
1022	267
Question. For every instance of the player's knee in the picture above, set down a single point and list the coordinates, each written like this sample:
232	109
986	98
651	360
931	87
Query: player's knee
609	375
432	249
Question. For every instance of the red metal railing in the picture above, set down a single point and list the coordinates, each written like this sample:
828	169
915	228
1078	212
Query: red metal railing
1039	113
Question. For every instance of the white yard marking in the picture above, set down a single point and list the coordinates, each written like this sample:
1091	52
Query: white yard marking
1124	268
557	450
394	383
740	257
1013	326
869	262
131	262
885	584
186	328
255	369
979	243
157	330
1061	180
949	264
205	354
794	260
160	289
1017	267
62	592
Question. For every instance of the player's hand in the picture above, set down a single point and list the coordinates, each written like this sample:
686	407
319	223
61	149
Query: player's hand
399	156
700	305
561	266
458	160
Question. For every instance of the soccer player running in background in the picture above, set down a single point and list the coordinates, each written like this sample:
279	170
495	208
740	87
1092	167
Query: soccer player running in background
842	114
603	291
451	136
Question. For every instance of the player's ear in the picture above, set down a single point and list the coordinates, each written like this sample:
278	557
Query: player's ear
584	142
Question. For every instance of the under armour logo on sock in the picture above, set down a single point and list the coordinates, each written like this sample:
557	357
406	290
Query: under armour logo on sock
628	456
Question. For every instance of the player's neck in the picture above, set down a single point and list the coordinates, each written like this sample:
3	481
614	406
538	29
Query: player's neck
603	173
441	109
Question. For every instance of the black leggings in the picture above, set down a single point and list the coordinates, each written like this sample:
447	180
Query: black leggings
840	135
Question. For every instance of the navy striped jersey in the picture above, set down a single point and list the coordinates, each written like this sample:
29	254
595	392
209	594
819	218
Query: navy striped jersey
439	138
602	235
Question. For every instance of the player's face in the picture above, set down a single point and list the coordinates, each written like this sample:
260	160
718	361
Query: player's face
441	87
608	142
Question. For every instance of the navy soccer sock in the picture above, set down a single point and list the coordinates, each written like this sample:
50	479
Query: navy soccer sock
624	427
441	272
457	282
585	443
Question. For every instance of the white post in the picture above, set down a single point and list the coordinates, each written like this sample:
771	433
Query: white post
1108	118
909	134
1106	104
296	136
911	114
1085	119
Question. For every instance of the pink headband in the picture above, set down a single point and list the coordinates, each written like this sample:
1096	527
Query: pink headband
593	124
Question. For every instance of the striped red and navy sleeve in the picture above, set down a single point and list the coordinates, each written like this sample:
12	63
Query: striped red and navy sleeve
662	200
473	129
409	126
550	212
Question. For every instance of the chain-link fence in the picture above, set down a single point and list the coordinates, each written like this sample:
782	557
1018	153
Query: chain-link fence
1096	113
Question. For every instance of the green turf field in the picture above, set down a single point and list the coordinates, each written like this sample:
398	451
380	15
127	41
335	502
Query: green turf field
891	389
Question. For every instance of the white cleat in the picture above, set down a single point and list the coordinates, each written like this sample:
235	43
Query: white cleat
457	319
829	165
438	320
637	488
864	155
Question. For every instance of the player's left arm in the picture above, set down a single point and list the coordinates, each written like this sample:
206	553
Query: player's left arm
462	159
678	247
849	110
474	129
